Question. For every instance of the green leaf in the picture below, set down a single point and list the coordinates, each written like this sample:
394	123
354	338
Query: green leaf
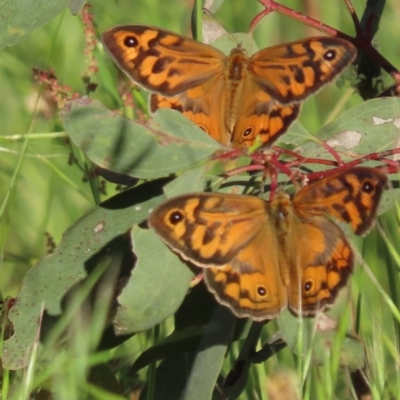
197	309
193	376
158	285
179	343
113	142
103	377
76	5
368	128
189	182
191	320
297	135
47	283
238	376
209	359
171	378
20	17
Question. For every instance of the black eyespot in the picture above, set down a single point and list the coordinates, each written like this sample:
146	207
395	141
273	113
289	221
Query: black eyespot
330	55
262	291
308	286
131	41
175	217
368	187
248	132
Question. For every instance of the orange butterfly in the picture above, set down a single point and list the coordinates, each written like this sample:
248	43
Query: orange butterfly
263	256
236	99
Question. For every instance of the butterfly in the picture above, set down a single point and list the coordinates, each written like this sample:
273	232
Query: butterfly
236	99
260	257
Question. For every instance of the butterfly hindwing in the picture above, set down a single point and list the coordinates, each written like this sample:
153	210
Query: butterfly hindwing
243	284
262	119
320	266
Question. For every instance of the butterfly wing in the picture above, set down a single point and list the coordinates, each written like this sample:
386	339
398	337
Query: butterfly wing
162	61
261	118
251	284
351	196
291	72
279	78
232	237
320	266
199	105
208	229
324	258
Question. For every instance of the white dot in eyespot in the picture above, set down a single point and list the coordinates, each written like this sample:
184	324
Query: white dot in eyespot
329	55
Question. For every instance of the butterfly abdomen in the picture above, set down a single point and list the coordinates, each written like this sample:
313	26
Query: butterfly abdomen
237	71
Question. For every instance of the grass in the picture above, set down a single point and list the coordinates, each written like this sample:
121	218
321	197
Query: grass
43	194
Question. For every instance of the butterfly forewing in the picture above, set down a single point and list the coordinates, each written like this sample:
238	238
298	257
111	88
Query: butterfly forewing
351	196
208	229
293	71
162	61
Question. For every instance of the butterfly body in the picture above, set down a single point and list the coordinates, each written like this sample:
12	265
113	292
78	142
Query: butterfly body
235	98
259	256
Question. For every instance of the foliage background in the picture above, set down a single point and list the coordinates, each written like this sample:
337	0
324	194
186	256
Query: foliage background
40	192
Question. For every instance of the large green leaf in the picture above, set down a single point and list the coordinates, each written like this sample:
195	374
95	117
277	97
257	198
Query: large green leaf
158	285
210	356
47	283
20	17
113	142
371	127
191	320
190	181
194	375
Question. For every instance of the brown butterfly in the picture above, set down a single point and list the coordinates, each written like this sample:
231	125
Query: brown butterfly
236	99
263	256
